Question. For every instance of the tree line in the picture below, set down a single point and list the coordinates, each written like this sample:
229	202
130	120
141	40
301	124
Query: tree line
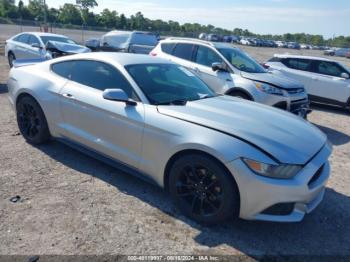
80	14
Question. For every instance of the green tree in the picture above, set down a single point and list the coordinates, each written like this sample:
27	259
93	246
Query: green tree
69	14
85	5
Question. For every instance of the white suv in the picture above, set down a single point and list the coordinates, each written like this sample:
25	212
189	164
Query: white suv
325	80
230	71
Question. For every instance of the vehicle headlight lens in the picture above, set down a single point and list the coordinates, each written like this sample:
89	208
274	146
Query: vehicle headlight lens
268	89
283	171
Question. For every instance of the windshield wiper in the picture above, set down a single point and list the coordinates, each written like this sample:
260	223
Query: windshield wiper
176	102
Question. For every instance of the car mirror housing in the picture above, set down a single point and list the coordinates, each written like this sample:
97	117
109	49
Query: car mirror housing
345	75
219	67
117	95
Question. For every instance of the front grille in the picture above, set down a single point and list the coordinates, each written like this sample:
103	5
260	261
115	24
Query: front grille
297	104
281	105
315	177
281	209
295	91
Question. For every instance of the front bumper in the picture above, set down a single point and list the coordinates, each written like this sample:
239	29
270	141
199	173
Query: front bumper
297	104
259	195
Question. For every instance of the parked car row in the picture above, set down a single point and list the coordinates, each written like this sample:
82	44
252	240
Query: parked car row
185	118
342	52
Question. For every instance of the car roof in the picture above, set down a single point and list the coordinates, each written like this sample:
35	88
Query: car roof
118	32
197	41
43	34
122	59
302	57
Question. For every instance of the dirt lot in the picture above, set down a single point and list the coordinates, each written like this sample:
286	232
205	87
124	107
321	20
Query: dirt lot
72	204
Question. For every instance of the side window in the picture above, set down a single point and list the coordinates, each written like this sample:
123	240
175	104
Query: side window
274	59
206	56
33	40
100	76
328	68
63	69
23	38
299	64
183	51
167	47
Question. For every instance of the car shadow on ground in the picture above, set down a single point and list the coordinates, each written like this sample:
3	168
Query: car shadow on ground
324	232
3	88
330	109
336	137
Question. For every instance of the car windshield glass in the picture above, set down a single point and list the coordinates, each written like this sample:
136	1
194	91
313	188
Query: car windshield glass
241	61
168	83
116	40
46	39
144	39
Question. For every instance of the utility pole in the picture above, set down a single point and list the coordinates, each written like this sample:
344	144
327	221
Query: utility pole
43	4
45	12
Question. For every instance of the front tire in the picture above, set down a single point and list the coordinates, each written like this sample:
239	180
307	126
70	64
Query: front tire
11	58
31	121
203	189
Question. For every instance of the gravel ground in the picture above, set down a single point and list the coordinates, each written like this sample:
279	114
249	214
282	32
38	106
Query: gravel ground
72	204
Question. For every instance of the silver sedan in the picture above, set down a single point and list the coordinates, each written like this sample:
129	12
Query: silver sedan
218	156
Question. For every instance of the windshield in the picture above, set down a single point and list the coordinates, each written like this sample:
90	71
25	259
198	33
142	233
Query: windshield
241	61
116	40
144	39
168	83
46	39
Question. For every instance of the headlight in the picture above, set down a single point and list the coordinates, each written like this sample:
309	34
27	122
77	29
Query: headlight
283	171
268	89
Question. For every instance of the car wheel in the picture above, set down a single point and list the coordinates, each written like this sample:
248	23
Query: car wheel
11	57
240	94
31	121
203	190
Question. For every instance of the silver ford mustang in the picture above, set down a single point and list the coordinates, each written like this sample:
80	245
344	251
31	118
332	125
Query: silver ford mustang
218	156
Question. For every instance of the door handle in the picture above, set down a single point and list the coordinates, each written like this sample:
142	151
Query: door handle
196	69
68	96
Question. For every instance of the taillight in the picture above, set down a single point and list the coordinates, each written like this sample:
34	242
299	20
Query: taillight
265	65
153	53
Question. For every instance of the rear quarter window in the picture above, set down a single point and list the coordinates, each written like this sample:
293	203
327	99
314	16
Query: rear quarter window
184	51
23	38
63	69
167	47
299	64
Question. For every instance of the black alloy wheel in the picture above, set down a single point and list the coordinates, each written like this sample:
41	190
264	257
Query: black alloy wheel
203	189
31	121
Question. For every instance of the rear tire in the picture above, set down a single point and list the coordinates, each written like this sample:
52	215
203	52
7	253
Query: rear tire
32	121
11	58
203	189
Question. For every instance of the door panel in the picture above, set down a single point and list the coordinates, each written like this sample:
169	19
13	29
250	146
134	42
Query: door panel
326	78
111	128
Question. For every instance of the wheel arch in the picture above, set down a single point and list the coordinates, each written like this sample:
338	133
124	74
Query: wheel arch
185	152
241	90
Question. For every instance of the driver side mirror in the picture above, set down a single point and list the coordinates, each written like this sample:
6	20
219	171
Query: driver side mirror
118	95
219	67
345	75
36	45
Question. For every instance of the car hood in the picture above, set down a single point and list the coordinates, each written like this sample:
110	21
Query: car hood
273	79
286	137
66	47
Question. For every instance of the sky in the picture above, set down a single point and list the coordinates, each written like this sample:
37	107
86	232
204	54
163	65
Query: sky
326	17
